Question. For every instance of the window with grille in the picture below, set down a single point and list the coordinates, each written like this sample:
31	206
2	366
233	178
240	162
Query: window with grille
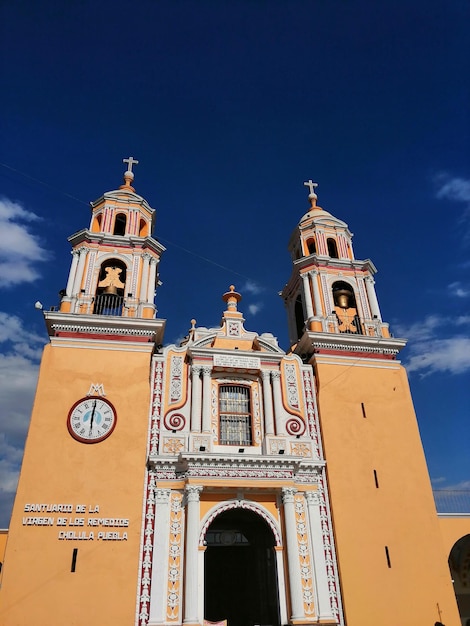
235	415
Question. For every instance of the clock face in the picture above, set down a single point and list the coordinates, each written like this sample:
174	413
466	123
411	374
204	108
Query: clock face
91	419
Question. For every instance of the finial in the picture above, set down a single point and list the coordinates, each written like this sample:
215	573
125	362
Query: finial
232	298
129	174
193	324
312	196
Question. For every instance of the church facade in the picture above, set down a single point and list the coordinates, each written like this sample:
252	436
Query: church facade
222	478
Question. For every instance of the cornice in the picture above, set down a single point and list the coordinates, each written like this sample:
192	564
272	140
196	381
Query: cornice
196	351
80	324
121	196
320	261
116	241
190	465
314	341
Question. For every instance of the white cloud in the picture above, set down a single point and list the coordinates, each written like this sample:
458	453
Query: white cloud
441	355
420	331
457	189
19	363
255	308
458	290
463	485
20	250
431	351
252	287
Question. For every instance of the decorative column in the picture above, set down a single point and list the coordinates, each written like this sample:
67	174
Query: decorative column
278	409
307	295
73	270
151	281
324	611
316	293
295	580
327	294
191	579
374	304
268	403
206	399
196	398
144	277
158	597
82	252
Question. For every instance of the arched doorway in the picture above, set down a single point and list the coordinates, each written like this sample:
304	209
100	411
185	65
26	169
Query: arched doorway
459	563
240	575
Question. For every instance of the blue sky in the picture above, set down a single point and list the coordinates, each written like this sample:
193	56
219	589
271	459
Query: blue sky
229	107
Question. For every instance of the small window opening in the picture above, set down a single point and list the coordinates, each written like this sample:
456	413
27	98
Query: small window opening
143	229
363	410
312	248
74	560
387	555
96	228
332	248
376	480
120	224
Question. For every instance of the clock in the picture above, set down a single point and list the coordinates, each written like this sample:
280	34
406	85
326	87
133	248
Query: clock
91	419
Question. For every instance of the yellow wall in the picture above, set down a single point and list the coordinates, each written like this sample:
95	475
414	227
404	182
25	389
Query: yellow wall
38	586
399	514
453	529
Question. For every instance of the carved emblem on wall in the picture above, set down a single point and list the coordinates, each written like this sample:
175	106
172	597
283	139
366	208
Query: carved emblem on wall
176	378
174	421
173	445
291	386
304	555
96	389
174	561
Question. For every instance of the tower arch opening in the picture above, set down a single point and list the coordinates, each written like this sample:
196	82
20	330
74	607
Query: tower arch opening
109	296
311	246
143	228
240	573
299	316
332	248
346	308
96	227
459	565
120	222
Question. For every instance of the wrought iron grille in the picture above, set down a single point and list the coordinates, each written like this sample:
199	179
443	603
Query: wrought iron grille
235	415
108	304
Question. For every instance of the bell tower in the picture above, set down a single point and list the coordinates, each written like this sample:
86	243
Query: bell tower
74	541
115	260
330	291
393	569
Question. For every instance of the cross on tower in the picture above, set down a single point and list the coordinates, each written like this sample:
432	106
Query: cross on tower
130	161
311	185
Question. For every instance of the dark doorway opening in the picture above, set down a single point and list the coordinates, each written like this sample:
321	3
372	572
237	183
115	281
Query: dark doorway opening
299	317
459	564
240	576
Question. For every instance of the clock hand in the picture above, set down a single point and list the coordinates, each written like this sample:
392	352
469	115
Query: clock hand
92	416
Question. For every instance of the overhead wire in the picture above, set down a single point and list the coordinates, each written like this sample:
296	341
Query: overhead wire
163	239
